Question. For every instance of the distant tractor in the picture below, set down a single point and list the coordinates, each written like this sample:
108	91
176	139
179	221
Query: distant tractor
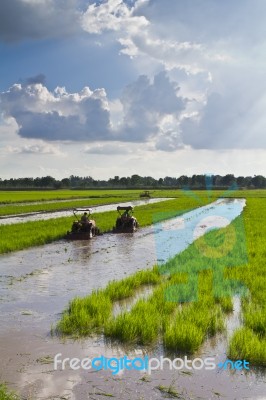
125	222
145	194
83	228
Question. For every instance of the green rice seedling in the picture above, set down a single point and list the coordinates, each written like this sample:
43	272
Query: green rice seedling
21	196
183	336
20	208
6	394
226	303
245	344
124	288
255	319
206	315
184	322
85	315
140	325
191	325
160	301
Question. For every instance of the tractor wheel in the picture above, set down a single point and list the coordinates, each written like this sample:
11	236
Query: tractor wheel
92	232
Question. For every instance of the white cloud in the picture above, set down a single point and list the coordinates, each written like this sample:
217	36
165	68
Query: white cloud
86	116
110	149
57	115
208	41
146	104
34	149
113	15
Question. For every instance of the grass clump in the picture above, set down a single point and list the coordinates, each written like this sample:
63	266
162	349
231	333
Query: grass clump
170	391
183	336
85	315
245	344
191	325
256	320
124	288
140	325
6	394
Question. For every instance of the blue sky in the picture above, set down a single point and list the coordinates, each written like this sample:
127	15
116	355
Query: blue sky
114	87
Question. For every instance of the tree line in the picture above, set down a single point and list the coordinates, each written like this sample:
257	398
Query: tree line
137	181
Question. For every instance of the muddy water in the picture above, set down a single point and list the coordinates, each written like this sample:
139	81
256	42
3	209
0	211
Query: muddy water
40	215
36	285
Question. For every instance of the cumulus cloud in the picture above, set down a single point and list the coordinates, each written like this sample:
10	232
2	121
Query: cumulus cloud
57	115
85	116
149	111
146	104
37	19
138	35
113	15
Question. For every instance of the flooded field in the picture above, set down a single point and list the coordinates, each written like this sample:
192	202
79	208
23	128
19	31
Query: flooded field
36	285
40	215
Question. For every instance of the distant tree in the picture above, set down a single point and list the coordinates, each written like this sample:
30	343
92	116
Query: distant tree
183	180
47	181
65	182
228	180
258	181
240	180
135	180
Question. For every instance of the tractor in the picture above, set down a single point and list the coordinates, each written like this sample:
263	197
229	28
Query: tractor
145	194
83	228
125	222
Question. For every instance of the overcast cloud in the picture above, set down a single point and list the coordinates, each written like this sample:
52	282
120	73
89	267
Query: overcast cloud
38	19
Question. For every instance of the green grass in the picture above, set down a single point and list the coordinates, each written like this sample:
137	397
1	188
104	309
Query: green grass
249	341
6	394
148	320
8	197
12	202
84	316
89	202
245	344
91	198
183	318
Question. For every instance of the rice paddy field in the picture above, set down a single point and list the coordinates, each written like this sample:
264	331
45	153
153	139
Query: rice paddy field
41	232
13	203
24	235
169	316
177	306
